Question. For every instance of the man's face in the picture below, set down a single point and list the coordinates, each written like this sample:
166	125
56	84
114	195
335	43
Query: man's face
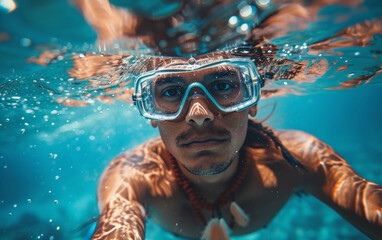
203	139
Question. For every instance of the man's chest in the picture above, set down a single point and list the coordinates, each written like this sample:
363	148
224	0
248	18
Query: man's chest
261	203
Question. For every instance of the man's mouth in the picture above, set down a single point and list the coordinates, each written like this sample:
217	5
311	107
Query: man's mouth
199	144
212	137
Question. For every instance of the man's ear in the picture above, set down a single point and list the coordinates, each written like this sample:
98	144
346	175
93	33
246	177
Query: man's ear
154	123
253	110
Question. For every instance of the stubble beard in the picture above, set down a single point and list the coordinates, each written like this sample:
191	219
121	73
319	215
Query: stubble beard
211	169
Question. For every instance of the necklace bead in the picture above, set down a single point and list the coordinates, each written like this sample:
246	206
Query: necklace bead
198	202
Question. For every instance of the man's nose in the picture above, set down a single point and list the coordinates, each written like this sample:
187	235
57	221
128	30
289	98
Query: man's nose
199	113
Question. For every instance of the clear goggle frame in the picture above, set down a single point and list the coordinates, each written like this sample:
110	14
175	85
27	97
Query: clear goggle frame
231	85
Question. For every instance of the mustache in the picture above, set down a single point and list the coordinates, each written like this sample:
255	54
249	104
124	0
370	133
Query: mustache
211	131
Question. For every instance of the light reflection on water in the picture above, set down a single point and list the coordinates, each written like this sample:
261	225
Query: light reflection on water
51	153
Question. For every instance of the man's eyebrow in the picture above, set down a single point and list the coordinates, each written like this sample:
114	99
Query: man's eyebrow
168	79
220	73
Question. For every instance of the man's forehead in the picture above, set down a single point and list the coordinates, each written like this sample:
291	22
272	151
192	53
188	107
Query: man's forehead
162	62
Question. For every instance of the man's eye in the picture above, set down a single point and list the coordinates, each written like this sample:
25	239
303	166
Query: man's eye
221	86
172	92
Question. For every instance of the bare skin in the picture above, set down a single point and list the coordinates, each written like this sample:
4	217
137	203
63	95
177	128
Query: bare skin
207	145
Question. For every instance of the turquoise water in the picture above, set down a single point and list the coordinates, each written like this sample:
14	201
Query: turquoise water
52	155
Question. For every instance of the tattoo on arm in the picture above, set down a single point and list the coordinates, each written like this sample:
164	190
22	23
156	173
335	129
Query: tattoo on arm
121	219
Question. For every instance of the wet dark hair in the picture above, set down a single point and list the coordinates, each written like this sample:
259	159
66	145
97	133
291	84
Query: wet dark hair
140	64
260	136
148	63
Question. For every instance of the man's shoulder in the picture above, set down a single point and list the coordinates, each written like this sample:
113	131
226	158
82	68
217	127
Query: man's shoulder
293	135
142	157
142	167
270	159
304	146
297	141
260	136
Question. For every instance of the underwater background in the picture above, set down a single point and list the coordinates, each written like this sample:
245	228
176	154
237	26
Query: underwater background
52	155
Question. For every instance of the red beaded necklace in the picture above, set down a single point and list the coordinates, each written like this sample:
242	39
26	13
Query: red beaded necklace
198	202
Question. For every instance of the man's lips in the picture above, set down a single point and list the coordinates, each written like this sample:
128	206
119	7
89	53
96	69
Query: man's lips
203	143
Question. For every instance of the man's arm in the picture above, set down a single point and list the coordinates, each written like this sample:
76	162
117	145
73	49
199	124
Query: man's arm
121	219
122	213
332	180
123	190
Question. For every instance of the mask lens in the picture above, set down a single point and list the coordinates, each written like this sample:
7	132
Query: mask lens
226	86
168	89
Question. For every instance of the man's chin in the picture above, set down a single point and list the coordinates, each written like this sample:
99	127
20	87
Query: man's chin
209	170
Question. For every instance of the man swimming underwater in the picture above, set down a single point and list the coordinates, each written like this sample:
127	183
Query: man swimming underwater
214	171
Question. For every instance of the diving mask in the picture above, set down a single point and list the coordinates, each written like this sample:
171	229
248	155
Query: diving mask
231	85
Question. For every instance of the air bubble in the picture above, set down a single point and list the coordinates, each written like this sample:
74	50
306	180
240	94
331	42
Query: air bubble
25	42
262	3
246	11
171	32
244	27
233	21
162	43
206	38
116	46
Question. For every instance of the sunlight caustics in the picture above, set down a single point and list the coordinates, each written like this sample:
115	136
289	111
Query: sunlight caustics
198	109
